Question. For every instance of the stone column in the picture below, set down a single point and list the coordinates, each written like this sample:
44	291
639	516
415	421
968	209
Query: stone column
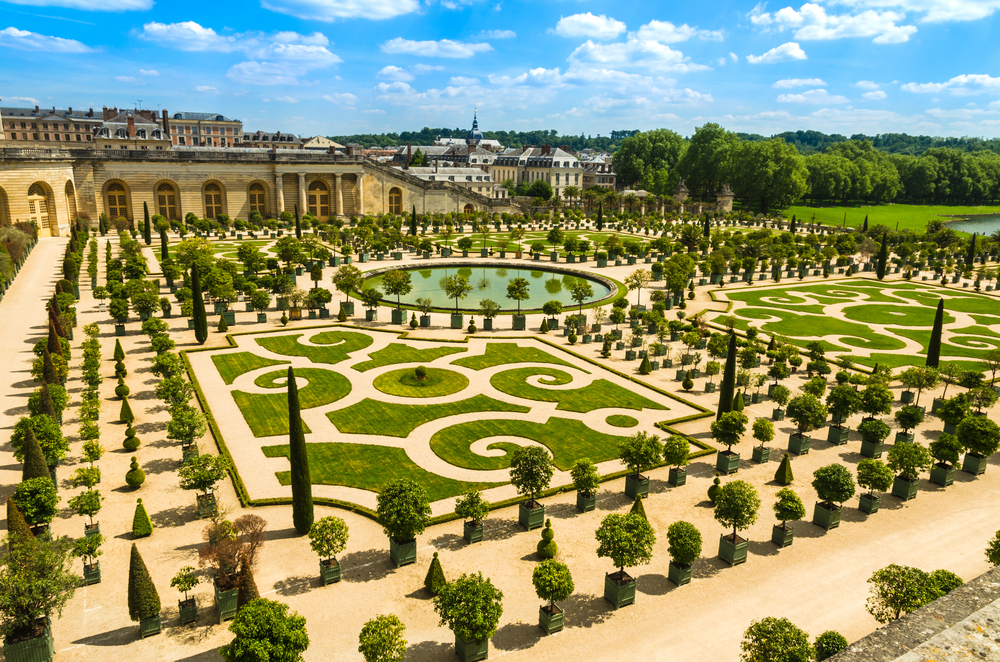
279	184
338	197
361	194
302	193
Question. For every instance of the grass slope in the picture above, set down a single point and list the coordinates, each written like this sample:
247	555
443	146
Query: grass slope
914	217
436	383
231	366
267	413
599	394
393	420
341	345
505	353
397	353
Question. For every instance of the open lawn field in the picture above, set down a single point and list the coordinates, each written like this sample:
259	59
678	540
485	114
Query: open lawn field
913	217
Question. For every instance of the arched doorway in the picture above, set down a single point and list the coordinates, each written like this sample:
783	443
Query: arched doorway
40	209
258	200
166	201
319	199
469	209
213	200
117	201
71	201
395	201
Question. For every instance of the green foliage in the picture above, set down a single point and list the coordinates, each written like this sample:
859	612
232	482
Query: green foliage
645	368
788	507
472	506
135	476
264	631
896	590
184	580
909	460
131	442
552	581
143	600
763	430
640	451
876	399
35	464
119	353
37	500
676	449
585	477
625	539
979	435
829	644
874	476
780	394
403	509
531	471
713	489
833	483
775	640
302	503
547	547
843	401
88	548
126	415
47	432
203	472
993	550
223	325
381	639
544	327
328	536
807	412
945	581
86	504
909	417
142	526
435	580
470	607
685	543
736	505
729	428
874	429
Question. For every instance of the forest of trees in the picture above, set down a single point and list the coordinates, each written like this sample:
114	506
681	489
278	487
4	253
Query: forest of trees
427	135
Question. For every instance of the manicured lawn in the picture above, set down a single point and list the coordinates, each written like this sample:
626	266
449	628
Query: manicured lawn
436	383
231	366
505	353
369	468
340	345
567	438
397	353
267	413
393	420
598	394
914	217
621	421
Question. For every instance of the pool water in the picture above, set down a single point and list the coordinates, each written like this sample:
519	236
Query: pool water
983	225
491	283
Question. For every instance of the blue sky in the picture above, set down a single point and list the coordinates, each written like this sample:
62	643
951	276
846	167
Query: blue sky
356	66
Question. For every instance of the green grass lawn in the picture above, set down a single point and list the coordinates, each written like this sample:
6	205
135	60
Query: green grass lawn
436	383
341	345
914	217
567	438
369	468
231	366
397	353
267	413
505	353
598	394
621	421
393	420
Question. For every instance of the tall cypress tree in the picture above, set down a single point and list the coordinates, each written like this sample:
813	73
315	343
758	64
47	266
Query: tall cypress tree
865	227
705	229
49	373
53	344
413	221
970	256
147	230
302	503
164	254
600	216
143	600
298	227
728	380
18	530
791	226
200	316
35	465
883	255
934	346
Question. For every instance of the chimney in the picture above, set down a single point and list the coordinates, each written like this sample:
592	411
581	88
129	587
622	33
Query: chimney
70	110
90	113
36	110
408	156
131	126
546	150
350	151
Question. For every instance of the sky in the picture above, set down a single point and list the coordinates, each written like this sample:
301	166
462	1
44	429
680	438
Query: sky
340	67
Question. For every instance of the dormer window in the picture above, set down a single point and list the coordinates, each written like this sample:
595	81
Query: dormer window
141	133
120	133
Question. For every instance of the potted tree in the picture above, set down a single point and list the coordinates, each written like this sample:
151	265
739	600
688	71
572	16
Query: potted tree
736	506
531	472
626	539
980	437
808	413
918	378
953	411
403	512
873	433
517	290
908	418
586	480
472	508
553	582
346	279
874	476
201	473
684	549
834	485
88	548
184	581
552	309
371	297
88	504
381	639
676	449
397	282
728	430
638	452
424	306
457	287
787	508
471	608
489	309
780	394
231	550
260	300
143	600
946	452
907	461
842	401
328	537
37	500
763	431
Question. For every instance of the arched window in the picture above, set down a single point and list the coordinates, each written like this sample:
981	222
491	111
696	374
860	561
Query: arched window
120	133
319	199
166	201
213	201
395	201
38	206
469	209
117	205
257	200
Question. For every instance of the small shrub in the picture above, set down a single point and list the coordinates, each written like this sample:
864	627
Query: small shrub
829	644
420	372
435	579
547	547
142	526
131	442
135	476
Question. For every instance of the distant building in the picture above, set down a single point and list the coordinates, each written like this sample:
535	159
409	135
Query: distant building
554	165
473	179
598	173
203	129
276	140
58	125
130	131
321	143
457	153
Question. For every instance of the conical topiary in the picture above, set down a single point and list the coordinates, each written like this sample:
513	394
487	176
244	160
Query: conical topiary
17	527
49	374
126	415
119	354
934	346
142	526
135	476
223	326
784	473
435	581
35	464
645	368
547	547
45	404
53	344
738	401
638	508
714	488
131	442
143	600
247	587
728	380
342	315
544	328
122	390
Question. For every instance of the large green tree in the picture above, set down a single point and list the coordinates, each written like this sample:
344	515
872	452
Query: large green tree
703	164
643	154
767	173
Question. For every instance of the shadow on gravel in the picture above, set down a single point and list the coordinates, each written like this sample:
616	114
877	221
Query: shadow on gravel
120	637
584	610
514	636
429	651
297	585
161	465
366	566
177	516
654	584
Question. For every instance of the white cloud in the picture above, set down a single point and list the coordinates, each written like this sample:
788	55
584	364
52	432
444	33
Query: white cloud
442	48
394	73
30	99
964	85
187	36
262	73
666	32
287	99
784	53
994	105
498	34
127	79
874	96
205	88
734	56
89	5
867	85
331	10
588	25
936	11
463	81
649	55
149	72
789	83
32	41
426	68
811	22
813	97
341	99
373	111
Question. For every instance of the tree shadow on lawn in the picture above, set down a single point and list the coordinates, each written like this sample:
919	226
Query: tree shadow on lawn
177	516
514	636
368	565
297	585
653	584
430	651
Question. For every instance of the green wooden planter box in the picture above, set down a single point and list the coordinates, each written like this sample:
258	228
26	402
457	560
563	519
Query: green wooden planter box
149	626
398	316
92	573
950	429
347	307
826	515
679	574
798	445
586	502
731	552
837	435
872	448
761	454
188	611
904	438
974	464
470	651
778	414
530	518
677	476
188	452
636	487
620	592
425	321
456	321
709	387
39	649
261	318
371	315
120	329
472	532
550	622
943	474
402	552
225	603
330	573
92	530
906	397
869	503
207	506
727	462
520	322
905	489
782	536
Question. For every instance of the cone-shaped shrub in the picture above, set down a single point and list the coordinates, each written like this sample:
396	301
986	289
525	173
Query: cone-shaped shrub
544	328
18	530
934	346
784	473
638	508
142	526
198	301
883	255
302	503
147	230
223	325
728	380
738	401
35	465
547	547
342	315
119	354
126	415
435	580
53	344
143	600
135	476
45	404
49	374
645	368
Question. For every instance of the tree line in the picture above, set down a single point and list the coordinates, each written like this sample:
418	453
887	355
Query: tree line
426	136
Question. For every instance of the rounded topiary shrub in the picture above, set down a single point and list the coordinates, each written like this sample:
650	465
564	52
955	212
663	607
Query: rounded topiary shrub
420	372
135	476
547	547
685	543
122	390
713	489
131	442
829	644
